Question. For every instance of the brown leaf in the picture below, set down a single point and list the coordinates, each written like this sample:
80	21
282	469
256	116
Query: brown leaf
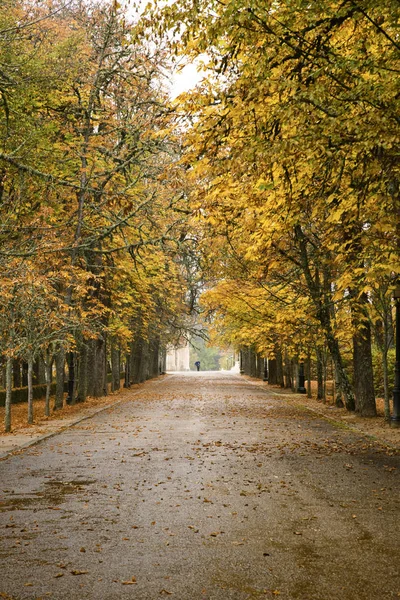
78	572
131	582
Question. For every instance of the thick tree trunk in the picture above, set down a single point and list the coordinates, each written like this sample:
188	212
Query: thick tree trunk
60	375
272	372
144	362
135	359
154	357
337	359
321	296
9	382
98	384
253	363
363	372
82	373
91	367
30	391
115	367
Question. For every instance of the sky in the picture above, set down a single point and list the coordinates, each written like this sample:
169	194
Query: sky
183	80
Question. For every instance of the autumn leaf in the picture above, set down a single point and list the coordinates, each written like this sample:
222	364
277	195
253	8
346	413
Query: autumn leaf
130	582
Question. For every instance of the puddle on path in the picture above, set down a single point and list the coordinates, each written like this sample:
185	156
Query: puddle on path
53	494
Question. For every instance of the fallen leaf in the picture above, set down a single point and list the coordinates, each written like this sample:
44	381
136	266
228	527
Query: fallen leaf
131	582
78	572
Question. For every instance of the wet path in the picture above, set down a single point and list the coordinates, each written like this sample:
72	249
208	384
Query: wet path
204	486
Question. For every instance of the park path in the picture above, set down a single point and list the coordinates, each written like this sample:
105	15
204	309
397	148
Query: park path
203	486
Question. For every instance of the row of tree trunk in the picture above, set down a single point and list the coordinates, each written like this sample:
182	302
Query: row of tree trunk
95	367
291	373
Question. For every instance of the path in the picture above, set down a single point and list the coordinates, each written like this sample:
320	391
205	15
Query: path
204	487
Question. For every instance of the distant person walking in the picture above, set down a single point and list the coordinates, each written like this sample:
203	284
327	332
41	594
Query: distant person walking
197	365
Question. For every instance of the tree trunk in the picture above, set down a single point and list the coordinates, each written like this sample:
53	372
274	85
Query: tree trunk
71	378
363	372
386	385
338	389
115	367
333	346
154	362
272	372
82	373
320	375
105	366
24	374
36	372
245	361
144	362
47	373
288	372
99	358
41	370
321	296
127	382
9	382
309	392
30	391
294	368
91	367
60	366
253	363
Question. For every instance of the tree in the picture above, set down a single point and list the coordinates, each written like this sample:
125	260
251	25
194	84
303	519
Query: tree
87	201
293	141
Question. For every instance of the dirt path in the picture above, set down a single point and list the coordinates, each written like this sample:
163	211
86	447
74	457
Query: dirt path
205	487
